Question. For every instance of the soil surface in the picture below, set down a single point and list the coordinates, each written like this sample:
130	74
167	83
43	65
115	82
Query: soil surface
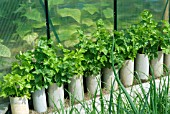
49	111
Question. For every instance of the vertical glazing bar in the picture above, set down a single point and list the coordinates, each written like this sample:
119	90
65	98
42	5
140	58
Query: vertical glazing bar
47	19
115	14
50	22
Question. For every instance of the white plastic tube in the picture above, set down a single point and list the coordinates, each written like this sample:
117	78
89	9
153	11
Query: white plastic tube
157	65
39	100
76	88
19	105
93	84
109	78
56	96
127	73
142	66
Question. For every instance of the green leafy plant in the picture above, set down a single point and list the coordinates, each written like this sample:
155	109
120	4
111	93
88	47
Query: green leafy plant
44	62
104	38
124	47
150	35
18	82
47	67
146	35
15	85
69	64
40	62
97	48
164	29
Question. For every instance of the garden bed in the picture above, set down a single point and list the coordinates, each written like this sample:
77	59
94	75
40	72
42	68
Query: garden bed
83	107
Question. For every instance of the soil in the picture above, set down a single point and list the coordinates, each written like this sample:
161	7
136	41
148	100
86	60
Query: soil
49	111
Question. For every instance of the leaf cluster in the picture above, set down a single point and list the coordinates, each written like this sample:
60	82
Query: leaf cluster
164	29
146	35
44	62
69	64
18	82
41	67
52	67
16	85
33	70
123	47
97	47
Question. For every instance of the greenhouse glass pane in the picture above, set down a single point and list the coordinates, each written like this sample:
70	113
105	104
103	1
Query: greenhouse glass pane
129	10
21	23
70	16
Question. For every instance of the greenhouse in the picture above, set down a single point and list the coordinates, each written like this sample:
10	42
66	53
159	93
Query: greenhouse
84	57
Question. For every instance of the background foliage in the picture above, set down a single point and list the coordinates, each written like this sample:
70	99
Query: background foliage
22	22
